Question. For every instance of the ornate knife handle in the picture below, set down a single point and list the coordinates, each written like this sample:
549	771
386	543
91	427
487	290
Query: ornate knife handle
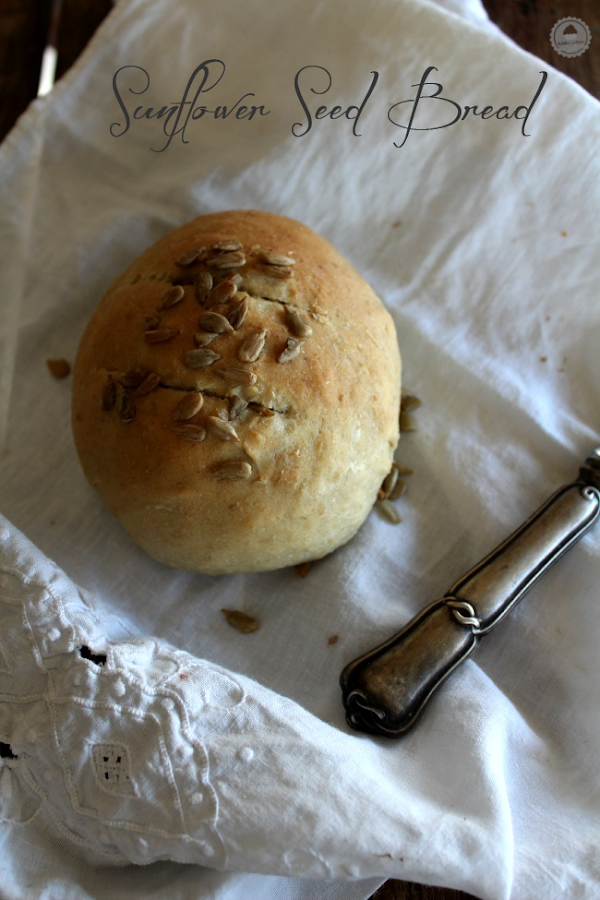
385	689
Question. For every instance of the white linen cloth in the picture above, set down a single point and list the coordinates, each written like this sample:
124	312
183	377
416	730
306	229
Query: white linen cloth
193	748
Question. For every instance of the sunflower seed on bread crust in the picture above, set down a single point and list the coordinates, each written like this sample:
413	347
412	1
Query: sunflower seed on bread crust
204	338
227	260
221	429
296	323
272	258
290	351
236	406
251	348
189	432
238	312
189	257
160	335
188	406
278	271
226	246
172	297
197	359
203	284
150	382
222	292
125	407
236	375
151	323
214	322
132	378
261	410
232	470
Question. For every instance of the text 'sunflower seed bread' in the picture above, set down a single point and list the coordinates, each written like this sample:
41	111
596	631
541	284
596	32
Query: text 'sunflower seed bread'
236	395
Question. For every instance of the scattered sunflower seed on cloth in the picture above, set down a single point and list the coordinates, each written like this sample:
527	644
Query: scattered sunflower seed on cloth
139	732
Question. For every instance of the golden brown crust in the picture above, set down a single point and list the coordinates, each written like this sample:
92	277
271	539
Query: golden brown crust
311	468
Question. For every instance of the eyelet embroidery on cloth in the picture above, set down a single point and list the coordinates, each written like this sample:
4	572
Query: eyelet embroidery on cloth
19	799
4	667
97	751
112	767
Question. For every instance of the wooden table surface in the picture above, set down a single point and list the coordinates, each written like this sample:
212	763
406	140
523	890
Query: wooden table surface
24	28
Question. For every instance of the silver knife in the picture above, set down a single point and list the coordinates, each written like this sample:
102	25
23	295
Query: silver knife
385	690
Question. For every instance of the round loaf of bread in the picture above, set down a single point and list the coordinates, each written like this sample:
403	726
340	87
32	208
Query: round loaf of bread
236	396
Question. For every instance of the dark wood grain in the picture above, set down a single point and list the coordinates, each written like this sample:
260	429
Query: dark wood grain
79	20
23	30
23	27
529	22
405	890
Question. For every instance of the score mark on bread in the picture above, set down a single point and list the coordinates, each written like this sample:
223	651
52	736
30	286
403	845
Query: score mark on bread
225	403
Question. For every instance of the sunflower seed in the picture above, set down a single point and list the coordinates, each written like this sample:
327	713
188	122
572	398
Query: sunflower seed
406	421
203	282
108	395
150	382
151	323
173	296
397	491
278	271
223	414
214	322
236	278
196	359
189	432
290	351
251	348
236	375
227	260
389	511
296	323
189	257
409	402
241	621
221	429
222	293
203	338
226	246
58	368
388	483
132	379
238	312
236	406
262	410
188	406
160	335
126	407
402	469
232	470
272	258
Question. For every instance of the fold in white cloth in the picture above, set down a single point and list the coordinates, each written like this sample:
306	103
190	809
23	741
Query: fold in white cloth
138	730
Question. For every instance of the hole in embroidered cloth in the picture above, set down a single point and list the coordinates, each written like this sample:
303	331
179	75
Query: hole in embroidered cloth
6	751
97	658
113	769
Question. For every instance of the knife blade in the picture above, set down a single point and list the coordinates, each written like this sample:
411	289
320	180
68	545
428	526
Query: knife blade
385	690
